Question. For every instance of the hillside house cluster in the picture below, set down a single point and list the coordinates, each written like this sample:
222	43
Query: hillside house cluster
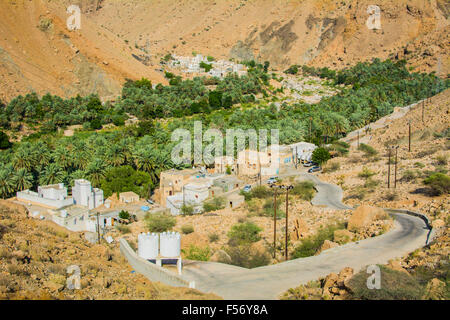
219	69
192	187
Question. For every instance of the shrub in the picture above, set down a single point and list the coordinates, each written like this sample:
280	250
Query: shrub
268	208
304	189
261	192
124	215
366	173
4	141
187	210
214	204
244	256
197	253
159	222
368	150
213	237
187	229
310	246
439	183
391	196
123	228
419	165
409	176
244	233
395	285
205	66
321	155
332	167
441	160
371	183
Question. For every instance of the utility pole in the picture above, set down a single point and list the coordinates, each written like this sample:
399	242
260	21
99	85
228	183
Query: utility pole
409	136
98	228
395	171
275	223
287	223
389	168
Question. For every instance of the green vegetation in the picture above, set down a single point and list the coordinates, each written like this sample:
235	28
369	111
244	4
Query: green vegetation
187	210
371	90
439	184
206	66
366	173
187	229
214	204
395	285
4	141
245	256
124	215
159	222
244	233
311	245
368	150
213	237
321	155
305	190
123	179
197	253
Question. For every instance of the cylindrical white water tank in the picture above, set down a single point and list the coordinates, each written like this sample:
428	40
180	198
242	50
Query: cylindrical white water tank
148	245
170	243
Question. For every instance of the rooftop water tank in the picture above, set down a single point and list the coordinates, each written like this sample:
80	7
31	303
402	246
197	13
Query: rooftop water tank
148	245
170	243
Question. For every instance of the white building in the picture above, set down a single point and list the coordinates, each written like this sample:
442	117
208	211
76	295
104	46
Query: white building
84	195
51	196
304	150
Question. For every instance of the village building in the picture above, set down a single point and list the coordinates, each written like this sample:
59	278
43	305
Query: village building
221	164
172	182
249	162
51	196
128	197
228	183
303	150
83	194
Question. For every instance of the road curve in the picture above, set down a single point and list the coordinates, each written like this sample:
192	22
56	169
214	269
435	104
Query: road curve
266	283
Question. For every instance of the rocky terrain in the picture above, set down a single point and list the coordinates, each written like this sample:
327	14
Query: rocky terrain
35	255
127	39
425	270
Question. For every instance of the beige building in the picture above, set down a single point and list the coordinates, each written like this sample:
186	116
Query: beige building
128	197
250	161
222	163
172	182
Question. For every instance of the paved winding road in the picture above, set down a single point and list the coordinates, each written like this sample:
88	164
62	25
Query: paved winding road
264	283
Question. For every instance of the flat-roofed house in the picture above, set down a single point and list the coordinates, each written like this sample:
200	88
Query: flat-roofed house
172	182
52	196
221	164
128	197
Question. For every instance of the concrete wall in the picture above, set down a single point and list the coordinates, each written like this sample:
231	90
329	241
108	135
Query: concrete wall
150	270
29	196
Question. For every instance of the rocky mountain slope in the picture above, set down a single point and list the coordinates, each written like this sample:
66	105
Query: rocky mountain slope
35	255
126	39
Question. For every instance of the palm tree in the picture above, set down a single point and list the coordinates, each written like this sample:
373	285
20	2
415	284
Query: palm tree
23	179
145	161
63	157
52	174
96	171
7	182
115	156
23	159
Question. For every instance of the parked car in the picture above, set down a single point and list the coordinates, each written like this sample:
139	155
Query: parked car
310	164
272	180
314	169
150	201
247	188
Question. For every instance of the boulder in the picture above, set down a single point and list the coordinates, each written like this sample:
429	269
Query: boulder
363	216
221	256
344	276
396	265
300	229
327	244
330	281
343	236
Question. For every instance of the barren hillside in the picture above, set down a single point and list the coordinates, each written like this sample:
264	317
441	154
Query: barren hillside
120	39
